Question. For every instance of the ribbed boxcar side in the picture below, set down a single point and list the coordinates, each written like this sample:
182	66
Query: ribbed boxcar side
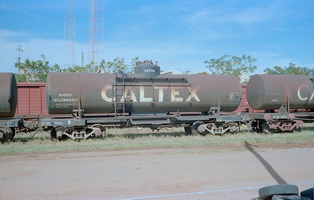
32	100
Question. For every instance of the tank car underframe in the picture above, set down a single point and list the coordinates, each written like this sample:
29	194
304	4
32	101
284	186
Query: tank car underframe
83	128
213	124
10	126
275	122
307	117
7	128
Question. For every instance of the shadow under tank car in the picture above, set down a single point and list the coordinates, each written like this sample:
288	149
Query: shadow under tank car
145	99
276	95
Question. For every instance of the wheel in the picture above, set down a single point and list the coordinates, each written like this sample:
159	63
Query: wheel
13	133
266	193
3	136
233	128
6	134
297	130
188	130
53	134
266	129
256	128
102	130
195	127
56	134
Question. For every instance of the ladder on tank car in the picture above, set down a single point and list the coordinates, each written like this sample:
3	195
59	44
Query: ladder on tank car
119	97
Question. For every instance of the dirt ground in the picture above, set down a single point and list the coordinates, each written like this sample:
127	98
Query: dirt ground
191	173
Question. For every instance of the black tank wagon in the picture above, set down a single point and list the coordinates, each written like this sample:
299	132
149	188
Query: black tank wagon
277	95
107	93
146	99
270	92
8	103
8	97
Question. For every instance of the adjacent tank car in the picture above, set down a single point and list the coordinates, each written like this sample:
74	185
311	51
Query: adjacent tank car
8	103
270	92
8	97
277	95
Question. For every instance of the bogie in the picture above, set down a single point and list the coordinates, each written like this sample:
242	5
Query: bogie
203	128
77	133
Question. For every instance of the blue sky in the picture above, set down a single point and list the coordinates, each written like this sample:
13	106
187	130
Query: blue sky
179	34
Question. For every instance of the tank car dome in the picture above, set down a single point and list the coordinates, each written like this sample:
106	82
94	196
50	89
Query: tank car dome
147	69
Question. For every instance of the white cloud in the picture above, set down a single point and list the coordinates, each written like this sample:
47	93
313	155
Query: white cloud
233	14
7	34
53	49
170	55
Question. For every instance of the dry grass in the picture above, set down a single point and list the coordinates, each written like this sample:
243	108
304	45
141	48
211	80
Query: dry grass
133	138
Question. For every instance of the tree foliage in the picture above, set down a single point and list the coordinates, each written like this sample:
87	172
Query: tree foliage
117	66
34	71
292	69
228	64
37	71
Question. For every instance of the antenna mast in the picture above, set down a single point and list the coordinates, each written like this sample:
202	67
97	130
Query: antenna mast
69	33
19	49
96	32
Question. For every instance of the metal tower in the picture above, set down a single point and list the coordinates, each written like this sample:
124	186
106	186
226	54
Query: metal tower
69	33
96	31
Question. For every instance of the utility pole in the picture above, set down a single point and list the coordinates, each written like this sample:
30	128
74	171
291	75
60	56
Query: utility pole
69	33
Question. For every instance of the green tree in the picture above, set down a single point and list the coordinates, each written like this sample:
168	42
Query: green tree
117	66
75	69
292	69
37	71
227	64
34	71
203	73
